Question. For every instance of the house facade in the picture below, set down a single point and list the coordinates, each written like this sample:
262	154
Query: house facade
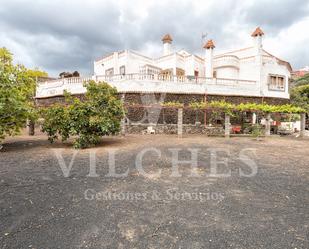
250	72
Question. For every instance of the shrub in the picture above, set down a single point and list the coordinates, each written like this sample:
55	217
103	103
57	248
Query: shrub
97	115
256	131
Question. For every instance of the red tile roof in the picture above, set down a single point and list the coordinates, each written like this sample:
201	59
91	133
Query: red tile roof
209	44
167	38
257	32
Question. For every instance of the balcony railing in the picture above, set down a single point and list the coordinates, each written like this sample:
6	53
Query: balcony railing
146	77
145	81
171	78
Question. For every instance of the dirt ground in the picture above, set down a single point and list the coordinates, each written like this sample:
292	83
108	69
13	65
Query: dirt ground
41	208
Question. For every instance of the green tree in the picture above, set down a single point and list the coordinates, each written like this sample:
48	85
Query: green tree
302	80
17	88
34	75
97	115
300	96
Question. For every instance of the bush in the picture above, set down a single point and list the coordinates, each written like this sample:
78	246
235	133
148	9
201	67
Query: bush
97	115
256	130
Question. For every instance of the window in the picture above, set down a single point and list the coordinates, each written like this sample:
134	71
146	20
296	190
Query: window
109	72
276	82
214	74
122	70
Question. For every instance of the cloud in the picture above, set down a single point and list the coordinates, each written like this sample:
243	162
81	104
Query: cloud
68	35
276	15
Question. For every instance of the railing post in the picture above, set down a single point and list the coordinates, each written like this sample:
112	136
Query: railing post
227	125
179	123
302	124
267	125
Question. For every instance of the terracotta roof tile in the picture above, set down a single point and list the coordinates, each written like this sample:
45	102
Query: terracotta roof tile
167	38
209	44
257	32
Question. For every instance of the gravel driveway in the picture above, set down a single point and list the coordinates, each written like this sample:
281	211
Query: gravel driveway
41	208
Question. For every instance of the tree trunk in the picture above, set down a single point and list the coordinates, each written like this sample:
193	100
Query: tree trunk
31	128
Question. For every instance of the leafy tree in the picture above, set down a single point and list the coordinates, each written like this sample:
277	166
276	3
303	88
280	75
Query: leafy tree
17	88
34	75
302	80
300	96
97	115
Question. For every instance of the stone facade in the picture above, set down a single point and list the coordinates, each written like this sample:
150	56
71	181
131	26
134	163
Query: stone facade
139	110
144	99
172	129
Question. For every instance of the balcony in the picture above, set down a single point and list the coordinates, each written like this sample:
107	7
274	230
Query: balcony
226	61
151	83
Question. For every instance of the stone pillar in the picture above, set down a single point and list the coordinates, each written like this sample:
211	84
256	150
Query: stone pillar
123	127
123	120
227	126
302	124
267	125
254	118
30	127
179	123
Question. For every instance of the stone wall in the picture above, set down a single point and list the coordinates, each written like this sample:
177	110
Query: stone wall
172	129
144	99
136	114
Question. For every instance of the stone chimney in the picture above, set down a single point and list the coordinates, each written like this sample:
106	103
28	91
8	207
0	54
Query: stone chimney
258	39
258	45
209	47
167	44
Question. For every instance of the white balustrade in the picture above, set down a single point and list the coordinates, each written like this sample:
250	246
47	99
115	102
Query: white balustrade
151	83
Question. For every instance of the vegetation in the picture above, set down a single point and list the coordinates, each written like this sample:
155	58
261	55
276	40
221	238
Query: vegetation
302	80
17	88
229	108
198	105
257	131
175	104
99	114
300	96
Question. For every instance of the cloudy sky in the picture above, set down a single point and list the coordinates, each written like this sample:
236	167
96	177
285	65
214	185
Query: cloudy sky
67	35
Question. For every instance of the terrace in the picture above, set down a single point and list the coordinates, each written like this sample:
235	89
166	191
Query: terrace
152	83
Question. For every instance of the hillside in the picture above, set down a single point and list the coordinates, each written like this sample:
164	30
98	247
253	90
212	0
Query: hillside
302	80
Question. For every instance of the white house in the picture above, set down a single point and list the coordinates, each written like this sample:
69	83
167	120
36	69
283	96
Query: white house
250	71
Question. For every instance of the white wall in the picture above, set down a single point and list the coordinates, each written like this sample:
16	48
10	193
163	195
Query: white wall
249	69
211	86
272	67
130	59
227	72
167	62
252	66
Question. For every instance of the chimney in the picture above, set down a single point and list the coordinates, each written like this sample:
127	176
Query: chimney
257	39
209	47
167	44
